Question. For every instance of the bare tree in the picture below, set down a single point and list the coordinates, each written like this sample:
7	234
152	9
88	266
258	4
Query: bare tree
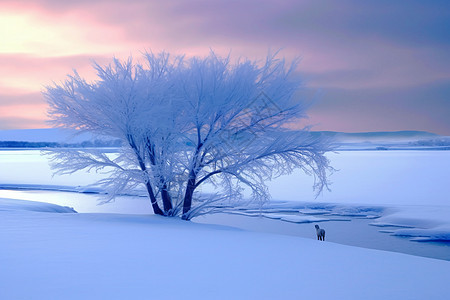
189	122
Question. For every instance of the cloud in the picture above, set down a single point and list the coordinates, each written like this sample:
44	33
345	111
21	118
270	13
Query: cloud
23	73
37	30
347	36
391	54
425	107
18	122
20	99
27	114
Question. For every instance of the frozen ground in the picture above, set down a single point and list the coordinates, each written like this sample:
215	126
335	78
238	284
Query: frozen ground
65	255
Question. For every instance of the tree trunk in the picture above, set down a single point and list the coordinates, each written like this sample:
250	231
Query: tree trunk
155	206
165	196
188	196
156	209
167	201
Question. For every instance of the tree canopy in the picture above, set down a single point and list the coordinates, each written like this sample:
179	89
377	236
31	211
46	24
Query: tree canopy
184	123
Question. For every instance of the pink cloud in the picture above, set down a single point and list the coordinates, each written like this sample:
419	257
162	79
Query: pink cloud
27	73
23	116
307	29
349	46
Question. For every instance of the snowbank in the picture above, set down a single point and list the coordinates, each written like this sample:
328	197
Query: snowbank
108	256
420	223
15	205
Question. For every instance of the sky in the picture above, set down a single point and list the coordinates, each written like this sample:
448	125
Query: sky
368	65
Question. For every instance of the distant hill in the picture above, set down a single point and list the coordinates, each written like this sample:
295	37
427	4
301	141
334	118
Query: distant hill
389	140
70	136
53	137
381	136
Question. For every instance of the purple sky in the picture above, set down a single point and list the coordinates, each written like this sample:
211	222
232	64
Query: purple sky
370	65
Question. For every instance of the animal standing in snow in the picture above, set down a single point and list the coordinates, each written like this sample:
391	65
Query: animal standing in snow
320	233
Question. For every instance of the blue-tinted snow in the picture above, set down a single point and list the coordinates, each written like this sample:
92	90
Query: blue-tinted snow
109	256
22	205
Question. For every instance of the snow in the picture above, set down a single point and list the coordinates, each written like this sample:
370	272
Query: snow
50	251
10	205
113	256
29	167
387	178
420	223
293	218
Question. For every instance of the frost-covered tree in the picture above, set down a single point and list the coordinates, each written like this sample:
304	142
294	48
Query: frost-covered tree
189	122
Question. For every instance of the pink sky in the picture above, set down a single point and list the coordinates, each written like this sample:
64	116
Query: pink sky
381	65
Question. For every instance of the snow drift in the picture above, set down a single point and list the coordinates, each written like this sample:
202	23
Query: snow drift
108	256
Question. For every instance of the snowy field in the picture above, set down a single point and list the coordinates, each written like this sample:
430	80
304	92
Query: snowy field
49	253
391	200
